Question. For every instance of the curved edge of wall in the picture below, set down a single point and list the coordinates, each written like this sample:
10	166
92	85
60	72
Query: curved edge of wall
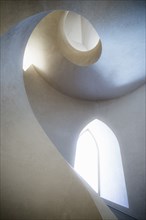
36	182
70	76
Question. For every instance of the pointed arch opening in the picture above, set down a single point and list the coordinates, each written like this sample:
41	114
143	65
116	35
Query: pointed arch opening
98	160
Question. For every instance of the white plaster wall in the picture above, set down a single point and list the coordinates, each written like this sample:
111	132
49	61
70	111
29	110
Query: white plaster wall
36	182
63	117
121	67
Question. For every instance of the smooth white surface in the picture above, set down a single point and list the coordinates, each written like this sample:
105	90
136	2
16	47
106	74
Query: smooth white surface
86	159
79	32
112	180
77	39
62	118
119	70
36	182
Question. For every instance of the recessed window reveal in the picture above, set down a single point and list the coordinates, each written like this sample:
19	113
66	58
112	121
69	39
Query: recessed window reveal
98	160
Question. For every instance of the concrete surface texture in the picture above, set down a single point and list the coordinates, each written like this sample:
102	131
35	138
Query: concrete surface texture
37	180
36	183
110	77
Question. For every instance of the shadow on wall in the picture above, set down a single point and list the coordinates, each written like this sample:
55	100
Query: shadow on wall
60	50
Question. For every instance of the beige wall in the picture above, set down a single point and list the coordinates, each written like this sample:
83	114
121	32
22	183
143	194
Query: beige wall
62	118
36	182
13	11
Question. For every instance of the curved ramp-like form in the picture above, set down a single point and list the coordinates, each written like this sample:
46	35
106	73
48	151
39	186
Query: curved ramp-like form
36	182
64	48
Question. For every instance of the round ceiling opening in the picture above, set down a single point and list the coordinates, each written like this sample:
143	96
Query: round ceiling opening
78	40
79	32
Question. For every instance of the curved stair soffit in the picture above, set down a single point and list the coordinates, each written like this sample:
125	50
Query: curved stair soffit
67	52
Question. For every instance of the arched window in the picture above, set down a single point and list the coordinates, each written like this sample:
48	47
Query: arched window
88	166
98	161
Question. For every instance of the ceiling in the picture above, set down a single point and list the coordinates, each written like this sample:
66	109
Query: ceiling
111	69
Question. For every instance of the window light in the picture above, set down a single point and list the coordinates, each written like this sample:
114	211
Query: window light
98	160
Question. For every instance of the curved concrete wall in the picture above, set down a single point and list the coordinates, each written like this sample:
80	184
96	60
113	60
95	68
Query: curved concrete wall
119	70
36	182
121	67
62	118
